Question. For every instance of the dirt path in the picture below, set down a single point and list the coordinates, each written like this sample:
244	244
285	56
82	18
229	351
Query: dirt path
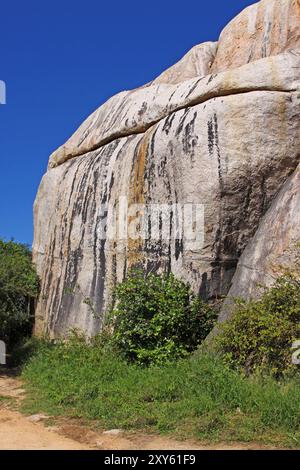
17	432
33	432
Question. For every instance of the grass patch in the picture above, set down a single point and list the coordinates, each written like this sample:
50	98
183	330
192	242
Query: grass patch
7	402
194	398
3	398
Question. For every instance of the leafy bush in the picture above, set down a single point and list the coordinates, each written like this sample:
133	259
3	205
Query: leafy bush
18	289
260	334
158	319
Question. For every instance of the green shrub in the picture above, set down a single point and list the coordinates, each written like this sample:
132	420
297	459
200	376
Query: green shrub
157	318
18	289
260	334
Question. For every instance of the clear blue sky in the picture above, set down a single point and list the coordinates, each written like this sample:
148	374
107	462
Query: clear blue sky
62	59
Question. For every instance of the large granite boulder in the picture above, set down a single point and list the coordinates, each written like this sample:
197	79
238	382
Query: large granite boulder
131	186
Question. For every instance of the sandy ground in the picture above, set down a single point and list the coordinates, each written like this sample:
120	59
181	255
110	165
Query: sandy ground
32	432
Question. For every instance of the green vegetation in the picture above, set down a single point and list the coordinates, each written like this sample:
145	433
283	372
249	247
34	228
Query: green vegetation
7	401
18	290
140	373
195	397
260	335
158	318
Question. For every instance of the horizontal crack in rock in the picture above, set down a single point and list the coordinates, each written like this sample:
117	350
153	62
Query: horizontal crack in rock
143	129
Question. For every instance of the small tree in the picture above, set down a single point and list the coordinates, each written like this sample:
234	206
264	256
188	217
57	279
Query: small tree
158	318
19	287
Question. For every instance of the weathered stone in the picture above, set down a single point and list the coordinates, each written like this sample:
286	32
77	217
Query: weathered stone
196	63
264	29
204	154
134	112
113	432
272	251
37	418
227	141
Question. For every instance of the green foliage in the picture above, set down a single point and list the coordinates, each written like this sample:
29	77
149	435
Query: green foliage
18	289
260	334
158	319
197	397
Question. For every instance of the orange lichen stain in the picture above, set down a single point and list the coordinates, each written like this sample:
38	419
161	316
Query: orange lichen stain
137	196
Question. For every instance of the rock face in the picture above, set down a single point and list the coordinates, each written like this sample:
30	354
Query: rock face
273	249
266	28
213	135
196	63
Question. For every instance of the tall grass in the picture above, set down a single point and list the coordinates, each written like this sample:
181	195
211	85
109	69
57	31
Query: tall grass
197	397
